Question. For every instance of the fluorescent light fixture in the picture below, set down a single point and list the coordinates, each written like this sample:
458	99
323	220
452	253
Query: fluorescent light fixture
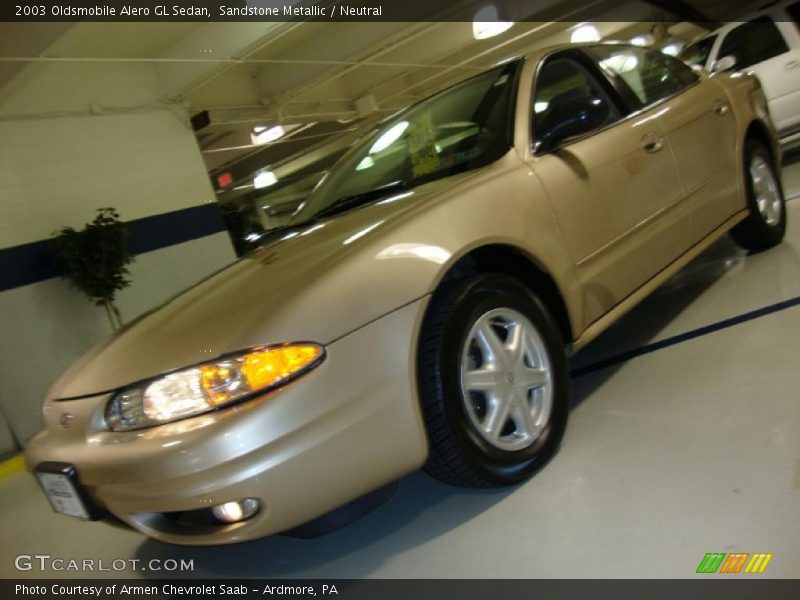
671	49
639	40
390	136
264	179
585	33
262	134
540	107
487	23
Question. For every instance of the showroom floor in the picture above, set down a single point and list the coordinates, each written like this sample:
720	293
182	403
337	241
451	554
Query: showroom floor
686	441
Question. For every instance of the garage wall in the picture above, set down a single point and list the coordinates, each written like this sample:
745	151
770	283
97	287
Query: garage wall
74	138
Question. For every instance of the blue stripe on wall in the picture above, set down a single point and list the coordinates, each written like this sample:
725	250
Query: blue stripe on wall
35	261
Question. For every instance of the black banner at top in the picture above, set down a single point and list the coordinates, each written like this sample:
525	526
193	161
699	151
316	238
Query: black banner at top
365	10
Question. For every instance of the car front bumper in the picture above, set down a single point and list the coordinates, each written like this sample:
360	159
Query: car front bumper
344	429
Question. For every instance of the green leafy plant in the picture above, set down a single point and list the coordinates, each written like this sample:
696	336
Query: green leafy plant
95	258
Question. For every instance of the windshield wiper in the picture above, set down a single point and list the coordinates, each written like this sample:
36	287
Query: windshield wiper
346	203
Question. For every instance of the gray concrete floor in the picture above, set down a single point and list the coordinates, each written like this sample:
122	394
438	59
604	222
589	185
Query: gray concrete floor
688	449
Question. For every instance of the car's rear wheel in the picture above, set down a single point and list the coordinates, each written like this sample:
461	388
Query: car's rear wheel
765	226
493	382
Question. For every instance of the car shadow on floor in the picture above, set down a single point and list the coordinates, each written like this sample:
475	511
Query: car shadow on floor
424	509
642	324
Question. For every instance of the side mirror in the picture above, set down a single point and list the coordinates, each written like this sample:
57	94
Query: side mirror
726	63
570	117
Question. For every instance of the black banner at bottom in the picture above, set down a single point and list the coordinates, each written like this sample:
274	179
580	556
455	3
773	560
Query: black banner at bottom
733	588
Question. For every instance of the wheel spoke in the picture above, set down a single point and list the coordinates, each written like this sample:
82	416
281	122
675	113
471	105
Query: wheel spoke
487	338
515	344
531	377
480	380
498	416
521	413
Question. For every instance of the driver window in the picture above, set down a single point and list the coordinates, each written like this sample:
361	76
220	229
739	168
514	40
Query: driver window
561	80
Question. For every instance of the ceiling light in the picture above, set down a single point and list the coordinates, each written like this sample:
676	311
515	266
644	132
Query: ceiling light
585	33
264	179
262	134
639	40
487	23
671	49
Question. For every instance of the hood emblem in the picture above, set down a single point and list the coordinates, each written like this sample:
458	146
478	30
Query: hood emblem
65	420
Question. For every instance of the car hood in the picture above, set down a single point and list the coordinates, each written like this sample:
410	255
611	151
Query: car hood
314	284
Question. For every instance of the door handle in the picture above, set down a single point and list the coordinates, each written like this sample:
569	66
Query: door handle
791	65
721	108
652	142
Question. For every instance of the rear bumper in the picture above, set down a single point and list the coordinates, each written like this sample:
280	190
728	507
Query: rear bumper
346	428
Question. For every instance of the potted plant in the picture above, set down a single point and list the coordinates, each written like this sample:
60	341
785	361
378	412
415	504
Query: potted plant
95	258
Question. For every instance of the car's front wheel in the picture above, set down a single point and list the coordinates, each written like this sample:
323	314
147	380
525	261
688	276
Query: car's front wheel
493	382
765	226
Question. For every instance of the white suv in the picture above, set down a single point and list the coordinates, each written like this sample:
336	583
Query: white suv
766	43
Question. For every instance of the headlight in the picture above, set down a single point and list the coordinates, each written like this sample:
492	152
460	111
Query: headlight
209	386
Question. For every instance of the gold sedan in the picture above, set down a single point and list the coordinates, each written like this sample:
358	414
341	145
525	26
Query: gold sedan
419	307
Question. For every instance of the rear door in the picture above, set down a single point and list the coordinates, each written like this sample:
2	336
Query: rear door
697	122
770	50
613	190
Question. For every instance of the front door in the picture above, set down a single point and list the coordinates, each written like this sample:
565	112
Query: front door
615	192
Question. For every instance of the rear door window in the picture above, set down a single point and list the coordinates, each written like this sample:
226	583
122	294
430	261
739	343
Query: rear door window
649	74
753	42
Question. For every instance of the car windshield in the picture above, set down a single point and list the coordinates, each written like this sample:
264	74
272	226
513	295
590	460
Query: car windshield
697	54
464	127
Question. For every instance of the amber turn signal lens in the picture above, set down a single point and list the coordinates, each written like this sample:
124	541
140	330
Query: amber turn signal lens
267	367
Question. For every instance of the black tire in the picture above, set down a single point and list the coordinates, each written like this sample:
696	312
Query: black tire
459	455
755	233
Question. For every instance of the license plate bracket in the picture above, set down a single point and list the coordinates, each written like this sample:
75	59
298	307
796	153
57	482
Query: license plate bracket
63	490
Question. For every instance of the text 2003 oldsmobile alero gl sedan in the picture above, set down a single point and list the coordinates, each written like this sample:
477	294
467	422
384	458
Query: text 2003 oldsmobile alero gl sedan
419	307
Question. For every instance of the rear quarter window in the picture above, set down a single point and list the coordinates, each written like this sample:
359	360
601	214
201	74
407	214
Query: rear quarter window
650	75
